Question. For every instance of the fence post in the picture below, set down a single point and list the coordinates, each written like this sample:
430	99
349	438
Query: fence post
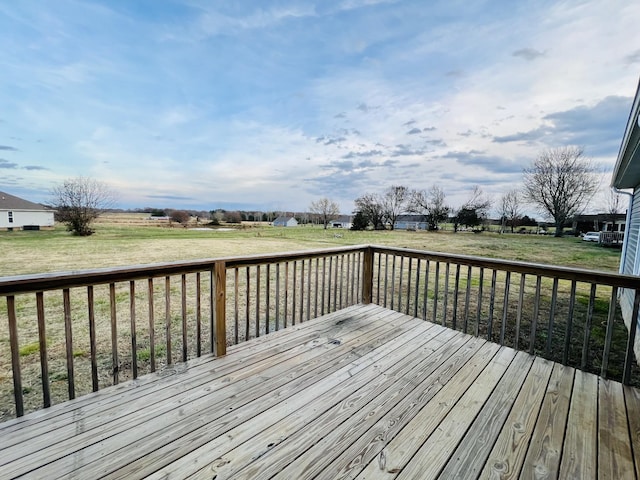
367	275
220	324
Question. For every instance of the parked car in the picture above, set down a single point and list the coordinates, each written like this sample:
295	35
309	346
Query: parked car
591	237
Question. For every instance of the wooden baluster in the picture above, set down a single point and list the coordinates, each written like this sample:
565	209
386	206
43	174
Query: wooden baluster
324	277
185	353
92	339
492	299
315	306
393	282
257	325
613	301
519	312
286	291
199	316
552	315
44	361
115	361
631	339
467	298
435	294
569	328
247	301
302	265
134	340
167	317
15	355
152	337
417	290
293	293
425	299
587	328
277	296
309	291
479	305
456	288
446	295
505	307
536	311
236	305
268	299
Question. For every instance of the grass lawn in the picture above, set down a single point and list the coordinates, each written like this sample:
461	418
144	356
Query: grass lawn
118	244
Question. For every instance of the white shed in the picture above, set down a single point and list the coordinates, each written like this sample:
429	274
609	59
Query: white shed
17	213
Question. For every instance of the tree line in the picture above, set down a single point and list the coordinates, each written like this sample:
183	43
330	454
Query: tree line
560	183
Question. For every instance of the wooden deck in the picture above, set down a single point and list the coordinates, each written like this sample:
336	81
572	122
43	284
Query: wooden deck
361	393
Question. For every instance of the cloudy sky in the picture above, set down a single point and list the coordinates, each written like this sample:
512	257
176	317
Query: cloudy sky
272	104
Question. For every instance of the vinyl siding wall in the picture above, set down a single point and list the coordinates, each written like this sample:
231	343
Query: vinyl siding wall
632	263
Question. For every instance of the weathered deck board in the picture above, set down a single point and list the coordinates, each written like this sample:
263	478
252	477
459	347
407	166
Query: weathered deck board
362	393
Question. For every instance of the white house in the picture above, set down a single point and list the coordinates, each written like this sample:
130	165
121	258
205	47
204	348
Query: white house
17	213
410	222
285	222
343	221
626	176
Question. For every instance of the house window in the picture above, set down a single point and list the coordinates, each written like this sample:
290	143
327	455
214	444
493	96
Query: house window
10	217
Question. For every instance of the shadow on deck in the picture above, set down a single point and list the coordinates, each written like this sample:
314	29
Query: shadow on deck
364	392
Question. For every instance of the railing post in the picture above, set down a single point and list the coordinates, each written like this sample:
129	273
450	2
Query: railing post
220	324
367	275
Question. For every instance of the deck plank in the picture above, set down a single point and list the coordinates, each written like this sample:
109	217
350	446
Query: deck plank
543	457
615	461
260	349
632	402
170	437
507	457
364	392
183	400
579	452
326	414
339	456
429	461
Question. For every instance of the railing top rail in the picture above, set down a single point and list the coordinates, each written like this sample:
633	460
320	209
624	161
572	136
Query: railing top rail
565	273
39	282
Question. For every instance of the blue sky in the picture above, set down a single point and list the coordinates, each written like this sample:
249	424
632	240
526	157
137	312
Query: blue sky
272	104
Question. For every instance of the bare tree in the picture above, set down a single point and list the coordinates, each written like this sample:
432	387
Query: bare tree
370	206
180	216
561	181
510	209
325	209
79	201
394	203
615	204
431	205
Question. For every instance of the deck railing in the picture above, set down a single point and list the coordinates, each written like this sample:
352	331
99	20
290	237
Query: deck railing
71	333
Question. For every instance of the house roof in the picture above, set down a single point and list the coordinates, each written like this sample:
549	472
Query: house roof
410	218
626	173
283	219
11	202
342	218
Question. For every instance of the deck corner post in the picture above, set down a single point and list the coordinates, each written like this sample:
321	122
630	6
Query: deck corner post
220	324
367	275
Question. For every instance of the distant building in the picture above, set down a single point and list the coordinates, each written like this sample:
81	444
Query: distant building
17	213
285	222
410	222
601	222
343	221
